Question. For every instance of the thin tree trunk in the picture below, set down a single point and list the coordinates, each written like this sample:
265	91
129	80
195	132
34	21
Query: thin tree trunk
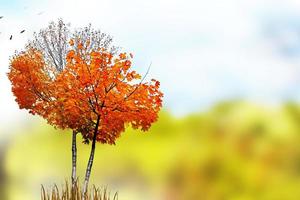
90	163
74	159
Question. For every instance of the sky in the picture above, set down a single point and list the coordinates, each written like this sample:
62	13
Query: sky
203	52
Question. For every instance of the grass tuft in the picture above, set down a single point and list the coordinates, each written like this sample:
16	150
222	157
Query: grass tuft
66	193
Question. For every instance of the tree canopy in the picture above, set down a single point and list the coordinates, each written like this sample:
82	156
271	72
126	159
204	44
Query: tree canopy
94	90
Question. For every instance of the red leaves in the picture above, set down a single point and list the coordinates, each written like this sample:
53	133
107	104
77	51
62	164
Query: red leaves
127	64
71	42
122	56
28	79
92	84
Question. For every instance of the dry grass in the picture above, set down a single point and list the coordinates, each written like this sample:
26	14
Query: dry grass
66	193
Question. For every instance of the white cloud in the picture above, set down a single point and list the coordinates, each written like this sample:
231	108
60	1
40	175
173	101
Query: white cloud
202	51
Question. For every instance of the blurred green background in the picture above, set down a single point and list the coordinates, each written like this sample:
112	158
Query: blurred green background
235	150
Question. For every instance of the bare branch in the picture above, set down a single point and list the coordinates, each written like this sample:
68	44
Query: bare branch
131	93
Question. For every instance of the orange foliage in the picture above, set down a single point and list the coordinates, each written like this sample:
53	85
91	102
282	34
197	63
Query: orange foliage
94	86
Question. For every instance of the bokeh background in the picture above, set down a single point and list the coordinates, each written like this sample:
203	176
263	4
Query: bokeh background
230	127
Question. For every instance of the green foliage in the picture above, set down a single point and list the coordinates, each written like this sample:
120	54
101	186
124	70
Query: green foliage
236	150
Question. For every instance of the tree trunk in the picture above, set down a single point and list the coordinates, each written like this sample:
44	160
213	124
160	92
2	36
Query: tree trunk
74	159
90	163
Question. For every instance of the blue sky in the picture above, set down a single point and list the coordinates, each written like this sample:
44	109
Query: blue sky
203	51
10	5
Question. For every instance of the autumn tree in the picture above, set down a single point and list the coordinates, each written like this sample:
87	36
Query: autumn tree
79	81
52	43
